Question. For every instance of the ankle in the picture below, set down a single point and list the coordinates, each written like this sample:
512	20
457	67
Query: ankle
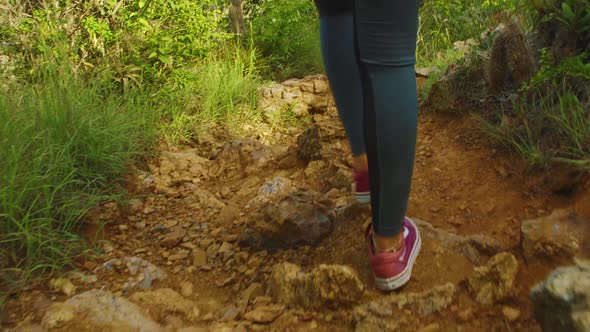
360	163
388	244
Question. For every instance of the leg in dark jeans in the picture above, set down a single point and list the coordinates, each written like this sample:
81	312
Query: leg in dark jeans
342	67
386	42
386	37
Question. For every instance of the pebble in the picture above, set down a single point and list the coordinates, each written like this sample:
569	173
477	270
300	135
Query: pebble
173	238
199	257
265	314
186	288
511	314
205	243
231	314
254	262
225	282
64	285
231	238
225	247
160	228
253	291
182	254
430	328
465	315
188	245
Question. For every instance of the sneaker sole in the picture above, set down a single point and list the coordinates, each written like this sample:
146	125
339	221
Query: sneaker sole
361	197
389	284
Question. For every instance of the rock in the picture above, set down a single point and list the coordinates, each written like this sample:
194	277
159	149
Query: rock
430	328
63	285
186	288
562	301
511	314
325	286
102	310
40	304
383	314
225	247
272	190
181	254
172	322
471	247
265	314
168	302
465	315
495	280
58	314
296	218
176	168
199	257
315	169
135	206
193	329
173	238
254	290
205	243
83	278
309	144
231	314
228	214
225	282
302	96
557	237
144	272
29	328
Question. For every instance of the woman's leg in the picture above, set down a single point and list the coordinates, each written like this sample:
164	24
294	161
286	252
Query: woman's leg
342	68
340	62
386	39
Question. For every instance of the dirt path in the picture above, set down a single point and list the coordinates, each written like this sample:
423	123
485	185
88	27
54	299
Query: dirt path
192	211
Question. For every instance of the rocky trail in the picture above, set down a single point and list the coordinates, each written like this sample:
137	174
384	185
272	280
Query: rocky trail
237	235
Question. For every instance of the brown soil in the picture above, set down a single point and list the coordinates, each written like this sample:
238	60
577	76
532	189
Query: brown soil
461	184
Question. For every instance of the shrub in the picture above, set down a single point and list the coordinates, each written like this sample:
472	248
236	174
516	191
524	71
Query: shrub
287	34
127	41
444	22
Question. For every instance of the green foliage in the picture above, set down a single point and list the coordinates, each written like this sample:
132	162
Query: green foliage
443	22
571	18
549	120
129	41
287	34
65	145
222	85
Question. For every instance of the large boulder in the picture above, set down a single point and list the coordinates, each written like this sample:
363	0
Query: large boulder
325	286
166	301
102	311
383	314
558	237
310	94
562	301
286	220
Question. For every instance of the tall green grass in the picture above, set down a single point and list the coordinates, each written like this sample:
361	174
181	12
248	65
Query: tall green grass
64	146
219	88
443	22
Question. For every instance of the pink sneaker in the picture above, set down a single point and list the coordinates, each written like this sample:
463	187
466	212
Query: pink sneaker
361	188
392	270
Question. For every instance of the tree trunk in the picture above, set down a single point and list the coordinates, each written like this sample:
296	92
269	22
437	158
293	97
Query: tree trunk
236	17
